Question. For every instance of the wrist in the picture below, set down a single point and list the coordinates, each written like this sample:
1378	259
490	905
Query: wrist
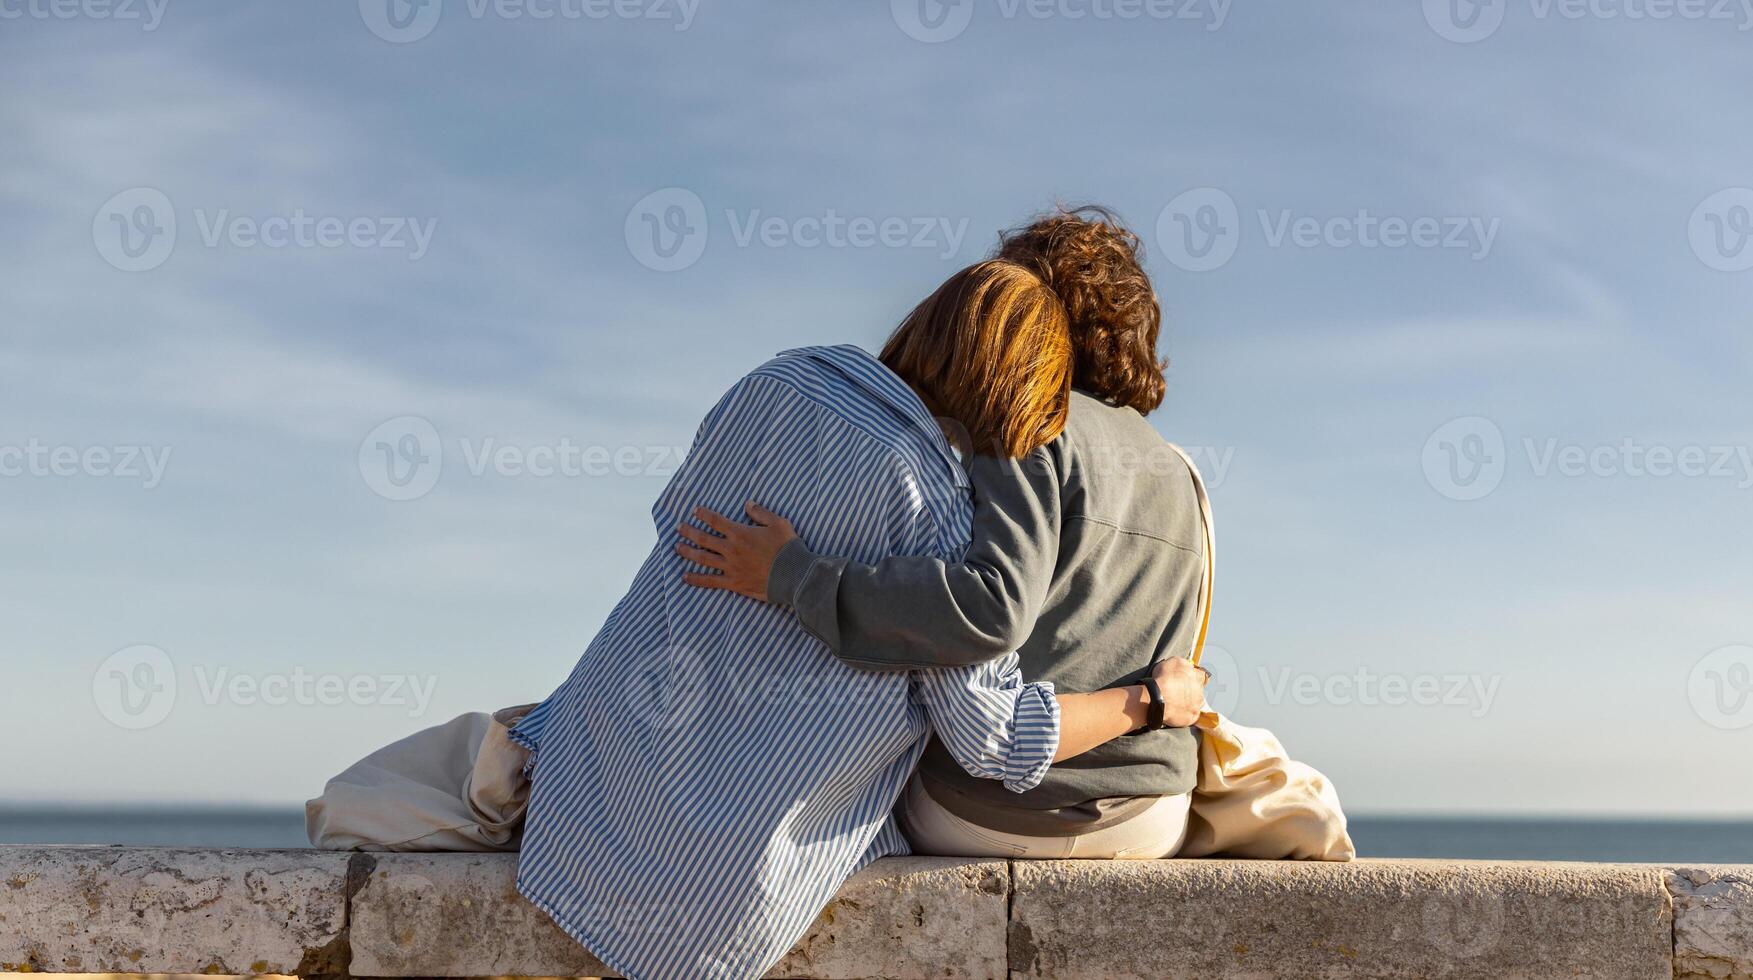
1137	706
786	575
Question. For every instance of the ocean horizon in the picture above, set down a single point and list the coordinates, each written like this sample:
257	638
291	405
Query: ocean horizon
1503	837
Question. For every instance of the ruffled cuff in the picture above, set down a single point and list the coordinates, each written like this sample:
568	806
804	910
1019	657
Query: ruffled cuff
1035	738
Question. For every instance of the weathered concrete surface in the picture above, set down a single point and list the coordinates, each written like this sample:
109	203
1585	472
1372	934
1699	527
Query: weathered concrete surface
452	915
1368	919
910	919
1713	922
411	912
151	910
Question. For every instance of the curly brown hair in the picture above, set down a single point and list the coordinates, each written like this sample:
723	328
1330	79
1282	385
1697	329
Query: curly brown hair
1091	260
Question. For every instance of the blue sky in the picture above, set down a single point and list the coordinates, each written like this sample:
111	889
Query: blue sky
1438	281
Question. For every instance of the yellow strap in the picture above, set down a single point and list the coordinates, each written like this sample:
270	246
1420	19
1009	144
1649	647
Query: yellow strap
1210	555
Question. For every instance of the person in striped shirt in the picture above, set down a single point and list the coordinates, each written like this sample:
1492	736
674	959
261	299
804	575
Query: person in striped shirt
710	773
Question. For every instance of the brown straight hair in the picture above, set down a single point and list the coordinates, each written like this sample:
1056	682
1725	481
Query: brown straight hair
990	349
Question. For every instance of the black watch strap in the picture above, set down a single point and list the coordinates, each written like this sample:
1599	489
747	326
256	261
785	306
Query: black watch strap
1157	717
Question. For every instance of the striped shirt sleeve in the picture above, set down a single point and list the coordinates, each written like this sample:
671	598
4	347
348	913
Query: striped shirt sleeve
995	725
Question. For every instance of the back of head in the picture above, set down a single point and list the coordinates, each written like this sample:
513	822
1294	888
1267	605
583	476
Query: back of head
1091	261
991	349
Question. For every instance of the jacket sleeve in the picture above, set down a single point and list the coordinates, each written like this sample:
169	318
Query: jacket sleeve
919	612
996	726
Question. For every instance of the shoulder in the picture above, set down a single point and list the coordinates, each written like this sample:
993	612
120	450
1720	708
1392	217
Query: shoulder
841	392
1094	422
806	379
1102	439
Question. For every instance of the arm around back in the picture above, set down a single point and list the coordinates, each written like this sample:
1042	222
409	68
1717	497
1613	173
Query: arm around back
913	612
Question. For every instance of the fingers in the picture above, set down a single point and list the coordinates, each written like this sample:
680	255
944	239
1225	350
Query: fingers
703	538
764	517
760	515
700	556
716	521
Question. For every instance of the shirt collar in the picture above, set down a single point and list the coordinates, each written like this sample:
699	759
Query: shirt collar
875	379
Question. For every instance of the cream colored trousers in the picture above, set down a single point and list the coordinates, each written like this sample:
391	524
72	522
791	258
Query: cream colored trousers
1157	832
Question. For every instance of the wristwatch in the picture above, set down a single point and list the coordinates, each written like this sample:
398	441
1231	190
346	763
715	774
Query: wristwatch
1155	719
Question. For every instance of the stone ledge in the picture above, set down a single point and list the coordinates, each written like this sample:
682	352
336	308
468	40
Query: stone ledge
907	917
1713	921
1366	919
151	910
155	910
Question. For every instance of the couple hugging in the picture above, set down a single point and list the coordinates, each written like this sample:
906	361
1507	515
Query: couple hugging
909	603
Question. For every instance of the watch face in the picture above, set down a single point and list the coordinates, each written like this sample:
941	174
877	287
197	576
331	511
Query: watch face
1158	708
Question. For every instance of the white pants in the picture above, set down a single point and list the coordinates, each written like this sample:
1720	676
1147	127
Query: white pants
1156	832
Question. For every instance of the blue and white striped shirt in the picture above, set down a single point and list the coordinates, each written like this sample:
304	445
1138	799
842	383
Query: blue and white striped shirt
711	774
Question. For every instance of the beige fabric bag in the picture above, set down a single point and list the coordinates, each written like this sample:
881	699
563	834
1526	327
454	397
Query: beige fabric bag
459	786
1252	799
